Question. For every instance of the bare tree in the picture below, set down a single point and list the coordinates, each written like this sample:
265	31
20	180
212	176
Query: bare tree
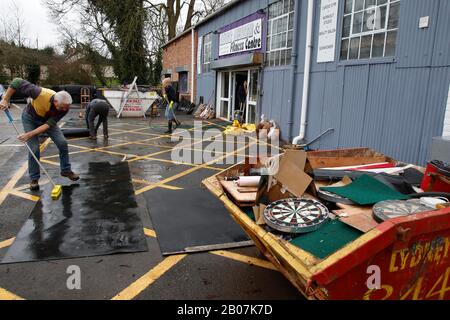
13	26
211	6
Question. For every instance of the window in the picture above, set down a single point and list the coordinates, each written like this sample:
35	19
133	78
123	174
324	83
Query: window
370	29
207	52
280	33
183	79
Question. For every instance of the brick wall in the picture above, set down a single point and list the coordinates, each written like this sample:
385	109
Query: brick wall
178	54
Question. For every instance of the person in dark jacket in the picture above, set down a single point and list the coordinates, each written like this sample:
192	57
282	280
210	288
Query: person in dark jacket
42	114
170	97
97	108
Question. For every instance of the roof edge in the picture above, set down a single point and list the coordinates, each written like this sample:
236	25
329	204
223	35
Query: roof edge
206	19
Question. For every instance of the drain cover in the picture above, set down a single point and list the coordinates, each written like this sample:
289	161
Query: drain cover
391	209
296	215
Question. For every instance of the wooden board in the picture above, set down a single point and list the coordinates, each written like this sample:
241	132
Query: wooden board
345	157
232	189
360	218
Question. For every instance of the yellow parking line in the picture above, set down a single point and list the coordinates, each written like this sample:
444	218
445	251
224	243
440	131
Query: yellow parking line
184	163
12	182
50	162
27	186
70	153
147	279
187	172
25	195
6	295
215	124
246	259
186	147
162	152
6	243
163	186
149	233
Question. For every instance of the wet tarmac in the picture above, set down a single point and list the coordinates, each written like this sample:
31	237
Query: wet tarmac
96	216
229	274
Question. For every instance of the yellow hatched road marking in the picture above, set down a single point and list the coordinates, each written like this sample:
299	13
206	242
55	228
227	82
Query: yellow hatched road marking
6	243
246	259
149	233
187	172
12	182
9	187
141	181
50	162
183	163
6	295
147	279
25	195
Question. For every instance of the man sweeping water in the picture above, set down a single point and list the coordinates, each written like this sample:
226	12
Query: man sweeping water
41	115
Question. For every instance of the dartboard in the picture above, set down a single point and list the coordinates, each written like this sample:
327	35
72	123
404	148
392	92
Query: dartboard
332	197
393	209
296	215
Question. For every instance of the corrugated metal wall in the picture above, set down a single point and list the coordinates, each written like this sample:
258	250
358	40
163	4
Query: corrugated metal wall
394	105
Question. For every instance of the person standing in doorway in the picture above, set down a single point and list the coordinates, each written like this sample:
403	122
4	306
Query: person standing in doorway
170	97
242	97
97	108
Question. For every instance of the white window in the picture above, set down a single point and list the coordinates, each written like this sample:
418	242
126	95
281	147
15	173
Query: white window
280	33
207	52
446	132
370	29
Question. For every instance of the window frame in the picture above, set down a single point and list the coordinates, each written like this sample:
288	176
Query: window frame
184	73
385	30
206	64
269	39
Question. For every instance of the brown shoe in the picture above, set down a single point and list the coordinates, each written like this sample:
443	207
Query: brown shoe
34	185
71	175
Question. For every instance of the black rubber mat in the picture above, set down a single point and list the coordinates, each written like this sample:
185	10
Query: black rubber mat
192	220
75	133
98	216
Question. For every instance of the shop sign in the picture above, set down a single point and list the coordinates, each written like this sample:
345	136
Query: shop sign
247	37
327	31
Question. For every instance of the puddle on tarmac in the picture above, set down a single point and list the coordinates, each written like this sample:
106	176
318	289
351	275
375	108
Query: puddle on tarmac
152	172
98	216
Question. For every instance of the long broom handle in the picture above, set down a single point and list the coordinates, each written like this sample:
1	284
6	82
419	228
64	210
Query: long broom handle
11	120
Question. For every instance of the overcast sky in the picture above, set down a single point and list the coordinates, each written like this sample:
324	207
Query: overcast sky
37	21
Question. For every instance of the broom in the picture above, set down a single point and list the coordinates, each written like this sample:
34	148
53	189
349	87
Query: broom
57	189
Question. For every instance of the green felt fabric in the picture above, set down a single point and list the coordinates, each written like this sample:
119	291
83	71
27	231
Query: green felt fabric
249	212
367	191
330	238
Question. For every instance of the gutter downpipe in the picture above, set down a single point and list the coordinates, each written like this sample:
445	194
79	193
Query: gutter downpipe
294	68
307	73
193	71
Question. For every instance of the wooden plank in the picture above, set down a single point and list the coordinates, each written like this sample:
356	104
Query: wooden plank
232	189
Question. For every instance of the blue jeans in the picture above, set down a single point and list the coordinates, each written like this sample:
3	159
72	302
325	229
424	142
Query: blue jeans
30	124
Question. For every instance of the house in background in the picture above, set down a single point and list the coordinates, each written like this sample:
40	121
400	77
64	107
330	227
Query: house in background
178	63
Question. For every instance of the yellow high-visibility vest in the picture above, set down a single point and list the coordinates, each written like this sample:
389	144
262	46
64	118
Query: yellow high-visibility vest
42	103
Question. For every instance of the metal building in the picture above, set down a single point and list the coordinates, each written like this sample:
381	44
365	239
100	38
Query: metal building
377	71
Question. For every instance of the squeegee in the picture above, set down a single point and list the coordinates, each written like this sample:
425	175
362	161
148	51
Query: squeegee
57	189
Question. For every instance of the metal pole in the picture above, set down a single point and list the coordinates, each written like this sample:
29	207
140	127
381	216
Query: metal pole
29	149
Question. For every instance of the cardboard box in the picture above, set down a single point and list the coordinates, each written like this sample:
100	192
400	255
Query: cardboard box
287	180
